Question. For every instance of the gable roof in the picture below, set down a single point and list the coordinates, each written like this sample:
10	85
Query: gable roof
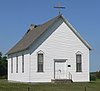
34	33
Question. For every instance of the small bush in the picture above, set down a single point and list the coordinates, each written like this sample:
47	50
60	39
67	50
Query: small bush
98	74
3	77
92	78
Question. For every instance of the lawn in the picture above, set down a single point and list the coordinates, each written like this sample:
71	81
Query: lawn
92	86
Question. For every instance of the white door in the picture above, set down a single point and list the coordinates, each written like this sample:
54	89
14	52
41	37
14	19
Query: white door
60	69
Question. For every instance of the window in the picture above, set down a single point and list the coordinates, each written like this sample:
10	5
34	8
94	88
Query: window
40	62
22	63
11	64
17	64
78	63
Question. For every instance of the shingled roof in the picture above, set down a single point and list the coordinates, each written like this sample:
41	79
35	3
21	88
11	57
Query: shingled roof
34	33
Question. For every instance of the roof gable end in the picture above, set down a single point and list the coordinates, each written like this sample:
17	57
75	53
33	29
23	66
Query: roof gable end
76	33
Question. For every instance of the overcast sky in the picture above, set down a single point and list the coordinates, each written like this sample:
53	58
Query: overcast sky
17	15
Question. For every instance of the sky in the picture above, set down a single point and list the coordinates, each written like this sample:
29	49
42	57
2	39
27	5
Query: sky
16	16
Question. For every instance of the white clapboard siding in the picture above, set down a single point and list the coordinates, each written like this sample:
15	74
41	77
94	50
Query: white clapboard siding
21	77
58	42
61	44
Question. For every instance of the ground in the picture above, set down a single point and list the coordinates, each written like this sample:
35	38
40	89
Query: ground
92	86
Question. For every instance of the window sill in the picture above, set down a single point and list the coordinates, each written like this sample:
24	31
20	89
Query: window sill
40	72
78	71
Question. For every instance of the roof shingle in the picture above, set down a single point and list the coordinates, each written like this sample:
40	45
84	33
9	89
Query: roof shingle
31	36
34	33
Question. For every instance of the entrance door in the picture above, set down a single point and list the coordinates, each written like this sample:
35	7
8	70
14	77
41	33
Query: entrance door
60	69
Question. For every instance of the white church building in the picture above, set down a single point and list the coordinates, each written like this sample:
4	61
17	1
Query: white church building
48	52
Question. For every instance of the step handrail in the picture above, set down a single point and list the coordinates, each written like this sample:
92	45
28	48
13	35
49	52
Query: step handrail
70	76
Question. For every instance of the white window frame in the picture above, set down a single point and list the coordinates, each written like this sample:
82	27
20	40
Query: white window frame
16	64
11	64
23	63
40	65
79	62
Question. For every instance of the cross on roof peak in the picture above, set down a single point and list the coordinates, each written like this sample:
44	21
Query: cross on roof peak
59	7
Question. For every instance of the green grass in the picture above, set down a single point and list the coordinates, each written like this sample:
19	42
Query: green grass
92	86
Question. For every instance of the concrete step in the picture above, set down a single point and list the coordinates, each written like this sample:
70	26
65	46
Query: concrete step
61	81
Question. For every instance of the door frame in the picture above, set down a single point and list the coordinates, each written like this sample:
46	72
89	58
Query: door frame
59	60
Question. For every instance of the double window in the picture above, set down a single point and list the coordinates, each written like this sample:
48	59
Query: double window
78	63
12	65
40	62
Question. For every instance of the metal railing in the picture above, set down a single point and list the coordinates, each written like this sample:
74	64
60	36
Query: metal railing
61	74
70	76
